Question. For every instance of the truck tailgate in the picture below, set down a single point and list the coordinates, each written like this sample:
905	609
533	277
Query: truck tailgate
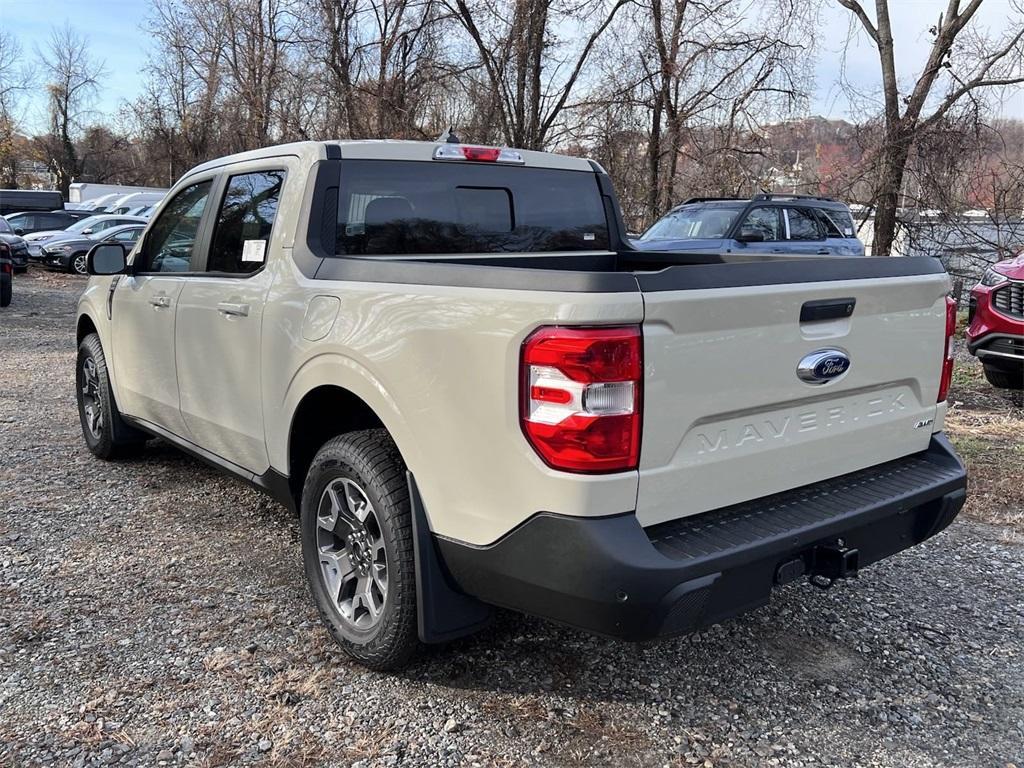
726	417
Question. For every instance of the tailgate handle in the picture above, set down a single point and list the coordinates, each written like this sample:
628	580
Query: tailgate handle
826	309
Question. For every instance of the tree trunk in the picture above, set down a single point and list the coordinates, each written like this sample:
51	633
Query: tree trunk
890	181
654	163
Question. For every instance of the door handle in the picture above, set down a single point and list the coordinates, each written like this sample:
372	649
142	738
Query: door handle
230	308
824	251
160	301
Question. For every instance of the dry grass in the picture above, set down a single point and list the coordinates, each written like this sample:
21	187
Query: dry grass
987	427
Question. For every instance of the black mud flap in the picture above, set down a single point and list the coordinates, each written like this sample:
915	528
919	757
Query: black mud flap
443	612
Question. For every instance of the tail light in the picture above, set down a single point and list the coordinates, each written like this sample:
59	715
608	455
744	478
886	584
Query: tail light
580	397
947	355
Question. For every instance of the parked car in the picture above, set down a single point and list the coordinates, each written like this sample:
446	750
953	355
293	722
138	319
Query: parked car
6	274
126	203
29	222
995	333
477	393
68	254
731	229
88	226
13	200
17	246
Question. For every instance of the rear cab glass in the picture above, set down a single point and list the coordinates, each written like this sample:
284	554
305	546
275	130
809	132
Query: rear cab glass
394	207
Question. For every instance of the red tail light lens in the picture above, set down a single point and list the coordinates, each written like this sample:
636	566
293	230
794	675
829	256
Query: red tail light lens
580	397
947	355
481	154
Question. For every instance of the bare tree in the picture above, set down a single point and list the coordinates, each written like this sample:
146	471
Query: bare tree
961	63
530	71
701	79
72	80
15	80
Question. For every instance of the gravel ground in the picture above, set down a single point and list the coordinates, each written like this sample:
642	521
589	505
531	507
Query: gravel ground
154	613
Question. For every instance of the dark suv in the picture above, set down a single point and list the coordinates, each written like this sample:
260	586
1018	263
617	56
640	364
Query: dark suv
785	225
27	222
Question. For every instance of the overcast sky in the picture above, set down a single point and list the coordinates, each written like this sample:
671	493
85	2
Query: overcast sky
113	28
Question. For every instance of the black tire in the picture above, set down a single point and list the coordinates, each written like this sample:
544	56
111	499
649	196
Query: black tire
1003	379
78	259
370	461
6	289
20	270
107	436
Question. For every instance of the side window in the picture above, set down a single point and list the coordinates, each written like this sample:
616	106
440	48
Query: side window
52	221
764	220
244	222
803	225
127	235
172	239
837	223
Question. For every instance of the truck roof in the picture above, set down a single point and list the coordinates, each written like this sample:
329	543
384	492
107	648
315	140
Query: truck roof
383	149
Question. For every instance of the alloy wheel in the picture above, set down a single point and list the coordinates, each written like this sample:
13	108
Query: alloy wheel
92	405
353	558
79	264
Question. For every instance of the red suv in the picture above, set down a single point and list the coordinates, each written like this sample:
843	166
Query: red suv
996	330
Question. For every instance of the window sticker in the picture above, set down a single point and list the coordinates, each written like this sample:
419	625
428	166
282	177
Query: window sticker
253	250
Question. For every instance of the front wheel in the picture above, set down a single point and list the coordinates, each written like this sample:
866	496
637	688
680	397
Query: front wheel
1003	379
6	289
77	264
357	548
105	432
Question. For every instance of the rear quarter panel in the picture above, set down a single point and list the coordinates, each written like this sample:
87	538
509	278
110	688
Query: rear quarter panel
439	365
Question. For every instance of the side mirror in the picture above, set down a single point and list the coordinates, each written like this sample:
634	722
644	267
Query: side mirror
107	259
87	231
750	236
19	231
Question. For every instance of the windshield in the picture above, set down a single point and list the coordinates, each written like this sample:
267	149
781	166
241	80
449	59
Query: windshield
4	226
693	224
84	224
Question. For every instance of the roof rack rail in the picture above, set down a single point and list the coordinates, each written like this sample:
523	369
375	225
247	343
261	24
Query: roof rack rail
791	196
709	199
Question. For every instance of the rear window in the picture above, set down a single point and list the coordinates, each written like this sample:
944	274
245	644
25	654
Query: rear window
838	222
388	207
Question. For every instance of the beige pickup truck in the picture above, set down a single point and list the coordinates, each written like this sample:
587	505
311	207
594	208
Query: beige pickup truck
449	360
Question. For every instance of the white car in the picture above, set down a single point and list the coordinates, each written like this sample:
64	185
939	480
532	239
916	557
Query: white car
450	360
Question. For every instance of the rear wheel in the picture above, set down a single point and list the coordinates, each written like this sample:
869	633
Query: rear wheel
1003	379
105	432
6	289
357	548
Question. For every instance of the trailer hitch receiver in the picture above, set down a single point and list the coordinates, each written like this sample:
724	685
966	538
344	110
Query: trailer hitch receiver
830	562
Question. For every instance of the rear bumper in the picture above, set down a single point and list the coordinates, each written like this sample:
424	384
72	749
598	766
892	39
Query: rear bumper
612	577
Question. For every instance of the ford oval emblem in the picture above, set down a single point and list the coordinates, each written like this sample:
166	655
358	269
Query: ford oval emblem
823	366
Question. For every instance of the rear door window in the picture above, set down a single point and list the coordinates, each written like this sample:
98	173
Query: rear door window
399	208
803	225
242	233
52	220
766	221
244	222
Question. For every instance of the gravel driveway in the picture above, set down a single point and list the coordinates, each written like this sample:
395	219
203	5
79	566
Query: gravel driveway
154	612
